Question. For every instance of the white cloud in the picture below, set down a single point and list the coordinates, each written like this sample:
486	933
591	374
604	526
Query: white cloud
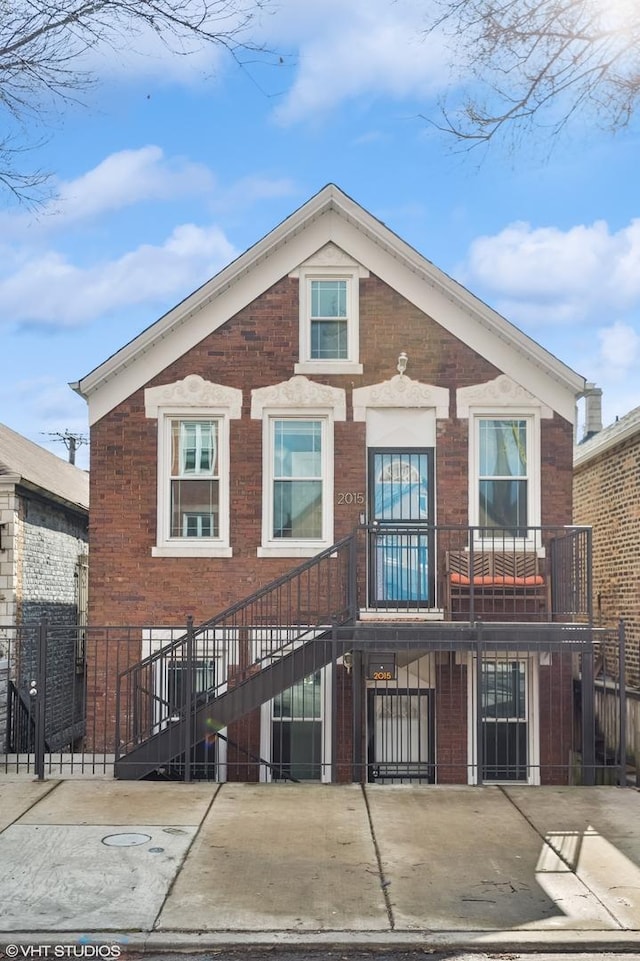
52	291
545	274
120	180
619	346
365	47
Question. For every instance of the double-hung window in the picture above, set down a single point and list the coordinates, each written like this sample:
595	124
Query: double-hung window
298	485
505	462
329	320
297	465
193	484
298	481
329	306
195	478
503	475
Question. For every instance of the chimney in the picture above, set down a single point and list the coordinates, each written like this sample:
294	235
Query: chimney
592	410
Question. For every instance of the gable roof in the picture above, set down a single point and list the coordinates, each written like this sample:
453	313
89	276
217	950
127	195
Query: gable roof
331	216
617	433
27	464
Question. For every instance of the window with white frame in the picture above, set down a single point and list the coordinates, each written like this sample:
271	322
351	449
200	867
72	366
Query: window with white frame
297	465
503	480
505	500
193	465
195	479
298	481
297	485
329	320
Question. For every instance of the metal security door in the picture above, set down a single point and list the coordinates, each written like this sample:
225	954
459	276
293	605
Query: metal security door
401	743
505	728
401	542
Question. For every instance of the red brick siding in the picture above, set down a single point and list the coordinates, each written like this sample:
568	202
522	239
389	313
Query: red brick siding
256	348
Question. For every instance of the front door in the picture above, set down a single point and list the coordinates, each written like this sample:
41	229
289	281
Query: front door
505	728
400	511
400	734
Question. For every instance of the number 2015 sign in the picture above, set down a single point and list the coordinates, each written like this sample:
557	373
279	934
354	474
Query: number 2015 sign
382	668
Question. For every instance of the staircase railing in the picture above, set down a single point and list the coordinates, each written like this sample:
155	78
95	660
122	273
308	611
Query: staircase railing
229	649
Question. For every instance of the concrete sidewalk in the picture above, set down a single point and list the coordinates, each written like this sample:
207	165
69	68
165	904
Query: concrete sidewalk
169	865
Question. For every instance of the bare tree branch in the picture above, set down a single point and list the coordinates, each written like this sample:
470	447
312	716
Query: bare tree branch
43	47
532	60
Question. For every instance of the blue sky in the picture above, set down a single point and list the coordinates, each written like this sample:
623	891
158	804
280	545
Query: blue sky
172	166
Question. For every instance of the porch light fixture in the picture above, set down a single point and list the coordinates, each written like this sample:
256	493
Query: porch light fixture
347	660
402	363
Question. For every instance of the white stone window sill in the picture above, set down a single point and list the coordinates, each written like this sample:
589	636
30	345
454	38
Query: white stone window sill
328	367
292	550
191	550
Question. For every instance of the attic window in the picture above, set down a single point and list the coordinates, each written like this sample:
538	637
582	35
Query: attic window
329	306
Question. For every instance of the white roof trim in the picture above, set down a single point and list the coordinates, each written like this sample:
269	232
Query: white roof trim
331	217
613	435
400	391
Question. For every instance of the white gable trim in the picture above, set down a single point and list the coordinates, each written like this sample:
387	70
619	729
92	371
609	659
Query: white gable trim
331	217
400	391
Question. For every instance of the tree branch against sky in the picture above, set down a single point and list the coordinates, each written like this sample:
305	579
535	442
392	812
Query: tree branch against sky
541	61
44	47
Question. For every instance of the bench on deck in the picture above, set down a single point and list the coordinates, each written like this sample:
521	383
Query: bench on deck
495	575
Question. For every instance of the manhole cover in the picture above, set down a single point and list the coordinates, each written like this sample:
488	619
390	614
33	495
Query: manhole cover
125	840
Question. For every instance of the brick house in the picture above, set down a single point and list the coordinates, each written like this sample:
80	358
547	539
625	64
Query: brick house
356	478
607	497
44	534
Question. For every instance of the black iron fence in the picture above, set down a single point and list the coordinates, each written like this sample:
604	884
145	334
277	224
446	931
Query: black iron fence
419	702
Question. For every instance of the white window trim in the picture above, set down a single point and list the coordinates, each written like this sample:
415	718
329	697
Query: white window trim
167	546
351	364
197	399
291	547
325	736
534	467
532	690
306	400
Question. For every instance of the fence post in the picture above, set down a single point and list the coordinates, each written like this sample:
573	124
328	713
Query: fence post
478	702
359	769
334	701
188	701
622	695
588	713
40	697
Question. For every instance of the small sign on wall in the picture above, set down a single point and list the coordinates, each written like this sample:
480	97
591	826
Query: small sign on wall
381	667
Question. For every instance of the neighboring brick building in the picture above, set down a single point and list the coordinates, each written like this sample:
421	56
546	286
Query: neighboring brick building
607	497
330	379
44	533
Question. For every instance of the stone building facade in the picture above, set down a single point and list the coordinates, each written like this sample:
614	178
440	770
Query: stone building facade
44	531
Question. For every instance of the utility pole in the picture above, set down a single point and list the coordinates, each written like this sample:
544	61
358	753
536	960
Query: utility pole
71	441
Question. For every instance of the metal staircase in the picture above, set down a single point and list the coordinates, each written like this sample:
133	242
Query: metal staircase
185	691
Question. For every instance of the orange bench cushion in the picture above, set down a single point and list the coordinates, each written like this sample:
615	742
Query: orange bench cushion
498	580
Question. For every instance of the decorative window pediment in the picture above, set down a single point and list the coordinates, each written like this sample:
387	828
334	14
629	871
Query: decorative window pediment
299	392
193	465
400	391
329	300
193	391
500	393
